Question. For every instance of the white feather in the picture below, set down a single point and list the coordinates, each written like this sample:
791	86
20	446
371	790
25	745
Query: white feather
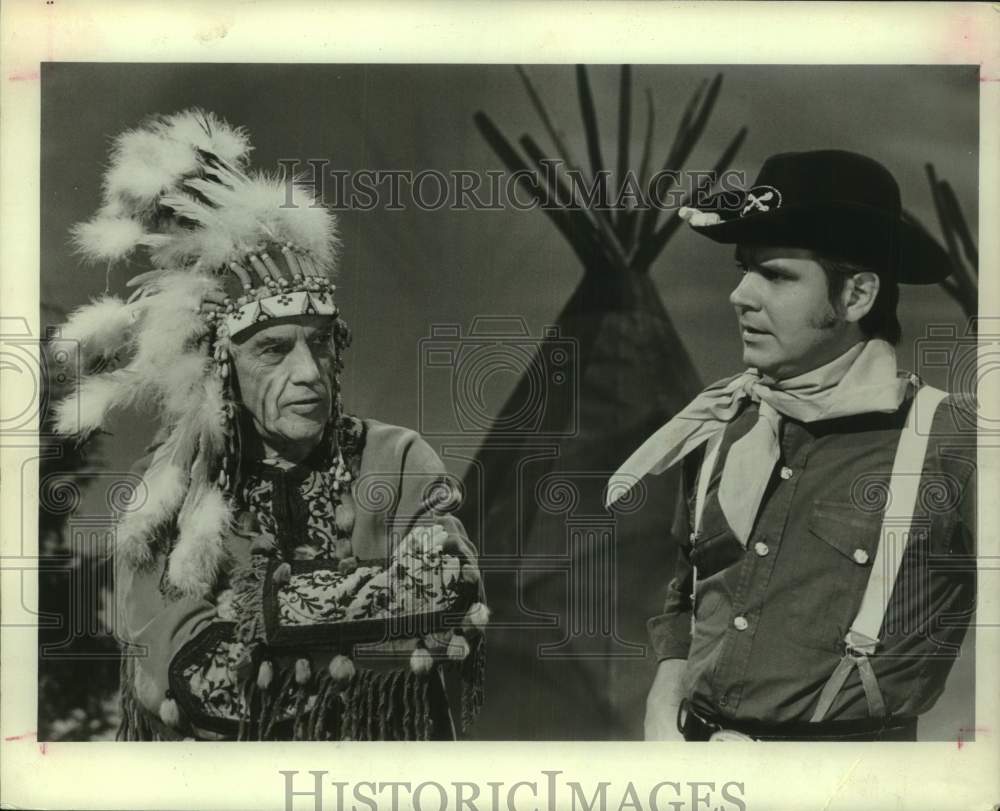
85	411
164	486
243	215
154	158
169	365
197	558
207	131
99	328
171	323
107	238
311	225
234	213
143	165
180	384
209	416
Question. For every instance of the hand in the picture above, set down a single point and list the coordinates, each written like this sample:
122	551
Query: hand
663	701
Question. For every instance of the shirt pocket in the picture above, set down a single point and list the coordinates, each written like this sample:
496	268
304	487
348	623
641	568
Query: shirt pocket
840	548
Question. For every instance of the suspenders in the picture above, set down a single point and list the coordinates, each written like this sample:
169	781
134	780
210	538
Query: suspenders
863	637
707	465
897	529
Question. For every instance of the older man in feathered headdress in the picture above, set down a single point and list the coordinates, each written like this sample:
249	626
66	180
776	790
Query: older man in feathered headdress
288	570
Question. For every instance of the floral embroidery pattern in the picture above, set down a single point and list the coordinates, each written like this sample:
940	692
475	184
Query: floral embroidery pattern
323	538
421	577
212	684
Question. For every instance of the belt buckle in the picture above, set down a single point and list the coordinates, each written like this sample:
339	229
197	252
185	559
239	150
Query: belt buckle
724	735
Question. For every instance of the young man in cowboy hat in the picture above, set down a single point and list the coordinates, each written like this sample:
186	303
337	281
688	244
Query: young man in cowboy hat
827	519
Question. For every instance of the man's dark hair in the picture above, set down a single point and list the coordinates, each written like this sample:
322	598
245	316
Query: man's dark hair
880	321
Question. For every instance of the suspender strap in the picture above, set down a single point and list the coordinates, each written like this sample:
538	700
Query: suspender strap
833	686
704	474
897	526
897	521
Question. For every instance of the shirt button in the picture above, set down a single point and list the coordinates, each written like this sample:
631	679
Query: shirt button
741	623
786	473
761	548
860	556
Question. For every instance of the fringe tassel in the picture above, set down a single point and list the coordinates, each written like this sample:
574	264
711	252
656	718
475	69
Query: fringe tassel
351	699
407	707
315	728
393	680
134	724
137	723
246	717
394	705
384	703
276	705
371	709
473	683
425	711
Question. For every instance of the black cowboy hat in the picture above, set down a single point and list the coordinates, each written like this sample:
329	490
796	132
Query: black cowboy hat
840	204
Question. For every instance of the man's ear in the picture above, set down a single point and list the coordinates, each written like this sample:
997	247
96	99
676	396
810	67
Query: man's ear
859	295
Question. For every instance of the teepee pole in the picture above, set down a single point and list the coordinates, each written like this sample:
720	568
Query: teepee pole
525	177
689	132
647	251
963	283
614	252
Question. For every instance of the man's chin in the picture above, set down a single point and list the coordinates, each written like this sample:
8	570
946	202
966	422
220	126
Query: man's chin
300	432
753	357
760	361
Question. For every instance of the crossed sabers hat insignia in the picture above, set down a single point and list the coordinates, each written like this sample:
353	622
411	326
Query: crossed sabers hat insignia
759	201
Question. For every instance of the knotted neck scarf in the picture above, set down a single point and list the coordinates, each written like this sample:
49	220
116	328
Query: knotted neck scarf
864	379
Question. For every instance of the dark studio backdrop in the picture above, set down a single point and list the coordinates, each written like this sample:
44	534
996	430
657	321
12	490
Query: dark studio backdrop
636	349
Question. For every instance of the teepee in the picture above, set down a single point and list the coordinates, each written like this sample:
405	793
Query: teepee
570	583
963	283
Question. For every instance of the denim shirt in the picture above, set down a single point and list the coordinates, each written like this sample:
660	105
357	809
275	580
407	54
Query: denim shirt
770	618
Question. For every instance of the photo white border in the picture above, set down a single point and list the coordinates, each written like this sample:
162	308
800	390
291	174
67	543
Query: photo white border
839	776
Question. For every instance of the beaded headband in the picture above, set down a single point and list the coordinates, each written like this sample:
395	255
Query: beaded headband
301	290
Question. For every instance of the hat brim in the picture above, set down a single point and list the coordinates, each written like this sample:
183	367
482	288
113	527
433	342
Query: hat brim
896	245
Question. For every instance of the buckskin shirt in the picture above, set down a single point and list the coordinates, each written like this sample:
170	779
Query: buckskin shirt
770	618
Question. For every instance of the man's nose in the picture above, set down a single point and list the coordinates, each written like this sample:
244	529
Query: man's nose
744	296
304	369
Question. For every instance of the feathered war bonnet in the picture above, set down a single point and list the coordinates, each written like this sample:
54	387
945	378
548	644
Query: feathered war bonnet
179	189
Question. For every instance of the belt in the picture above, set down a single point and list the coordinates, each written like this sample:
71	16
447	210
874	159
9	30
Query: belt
697	726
